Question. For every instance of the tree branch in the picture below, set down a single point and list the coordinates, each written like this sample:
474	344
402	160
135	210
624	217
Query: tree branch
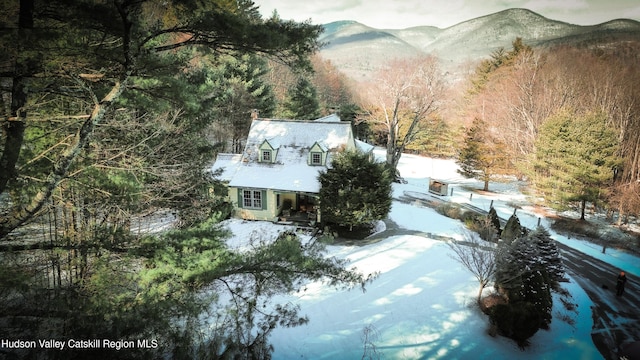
18	215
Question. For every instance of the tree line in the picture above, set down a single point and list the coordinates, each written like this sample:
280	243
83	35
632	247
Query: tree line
565	119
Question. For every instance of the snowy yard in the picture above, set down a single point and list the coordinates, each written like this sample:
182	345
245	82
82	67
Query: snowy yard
422	305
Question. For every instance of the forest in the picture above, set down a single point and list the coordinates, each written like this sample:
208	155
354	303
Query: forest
112	112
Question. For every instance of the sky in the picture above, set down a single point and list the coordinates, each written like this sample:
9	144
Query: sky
400	14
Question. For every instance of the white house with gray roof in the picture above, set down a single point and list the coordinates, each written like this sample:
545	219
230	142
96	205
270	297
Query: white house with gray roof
277	173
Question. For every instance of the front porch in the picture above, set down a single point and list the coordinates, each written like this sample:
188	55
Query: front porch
299	219
298	208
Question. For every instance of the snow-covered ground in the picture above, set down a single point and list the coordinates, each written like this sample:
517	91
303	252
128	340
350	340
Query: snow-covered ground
422	304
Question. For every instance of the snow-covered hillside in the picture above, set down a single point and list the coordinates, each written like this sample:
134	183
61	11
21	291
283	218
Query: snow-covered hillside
422	304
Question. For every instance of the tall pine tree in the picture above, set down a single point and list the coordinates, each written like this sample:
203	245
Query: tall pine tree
482	156
576	154
132	49
302	101
236	85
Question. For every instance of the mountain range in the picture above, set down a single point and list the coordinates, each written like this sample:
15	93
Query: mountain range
358	50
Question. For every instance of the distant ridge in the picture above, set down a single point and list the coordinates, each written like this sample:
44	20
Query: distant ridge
358	49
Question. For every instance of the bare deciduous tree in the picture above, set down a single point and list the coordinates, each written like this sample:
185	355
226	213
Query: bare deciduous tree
477	256
401	98
369	336
515	102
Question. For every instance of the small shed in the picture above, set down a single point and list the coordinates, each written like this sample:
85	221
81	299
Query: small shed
439	187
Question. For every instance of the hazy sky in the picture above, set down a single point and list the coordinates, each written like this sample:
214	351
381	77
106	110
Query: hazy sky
398	14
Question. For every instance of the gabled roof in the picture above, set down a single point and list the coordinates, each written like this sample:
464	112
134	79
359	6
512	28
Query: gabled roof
294	139
297	134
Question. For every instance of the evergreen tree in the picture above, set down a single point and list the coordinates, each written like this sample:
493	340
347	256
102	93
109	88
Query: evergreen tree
523	280
235	86
129	52
512	229
575	158
482	157
355	190
533	280
494	219
498	59
515	321
108	106
184	274
484	227
302	101
508	271
549	254
438	139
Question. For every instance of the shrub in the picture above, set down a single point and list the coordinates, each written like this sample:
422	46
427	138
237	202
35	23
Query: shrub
449	210
484	227
469	217
518	321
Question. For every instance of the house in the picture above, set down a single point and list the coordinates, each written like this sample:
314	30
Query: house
276	176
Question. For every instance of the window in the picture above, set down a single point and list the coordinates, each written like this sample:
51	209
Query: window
266	156
252	199
316	158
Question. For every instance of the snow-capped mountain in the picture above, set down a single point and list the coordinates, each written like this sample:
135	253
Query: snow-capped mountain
358	49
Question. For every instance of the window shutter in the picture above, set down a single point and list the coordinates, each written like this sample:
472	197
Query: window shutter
263	197
240	199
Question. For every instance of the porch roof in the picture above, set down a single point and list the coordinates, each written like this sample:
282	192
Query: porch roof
291	177
227	164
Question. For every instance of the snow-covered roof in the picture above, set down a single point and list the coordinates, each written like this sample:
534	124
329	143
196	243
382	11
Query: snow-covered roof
329	118
228	163
294	139
364	147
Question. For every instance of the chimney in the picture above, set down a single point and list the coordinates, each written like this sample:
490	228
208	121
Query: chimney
254	114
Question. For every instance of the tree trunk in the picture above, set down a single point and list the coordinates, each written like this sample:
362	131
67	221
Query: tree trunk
13	128
391	140
14	132
19	215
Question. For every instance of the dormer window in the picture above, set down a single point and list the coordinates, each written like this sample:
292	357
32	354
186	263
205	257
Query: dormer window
267	153
265	156
317	155
316	158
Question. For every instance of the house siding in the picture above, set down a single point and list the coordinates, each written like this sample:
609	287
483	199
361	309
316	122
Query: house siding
269	209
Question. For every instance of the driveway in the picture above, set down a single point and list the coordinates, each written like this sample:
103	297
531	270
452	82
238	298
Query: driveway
616	320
